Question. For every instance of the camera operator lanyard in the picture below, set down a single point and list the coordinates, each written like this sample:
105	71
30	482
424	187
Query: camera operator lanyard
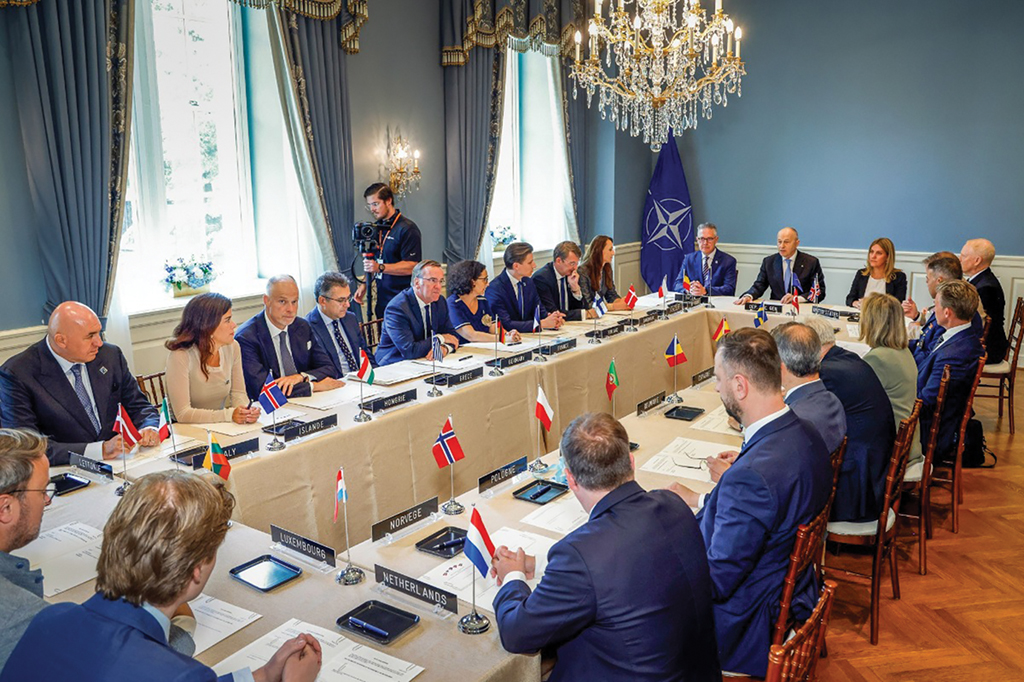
398	214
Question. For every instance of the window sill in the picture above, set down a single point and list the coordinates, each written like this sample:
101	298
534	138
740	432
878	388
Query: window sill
239	293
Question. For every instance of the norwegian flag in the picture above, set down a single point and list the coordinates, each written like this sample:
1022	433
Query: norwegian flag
447	449
631	298
123	426
271	397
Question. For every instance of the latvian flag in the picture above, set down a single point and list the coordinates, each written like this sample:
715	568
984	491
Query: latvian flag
123	426
631	298
478	548
543	410
271	397
447	449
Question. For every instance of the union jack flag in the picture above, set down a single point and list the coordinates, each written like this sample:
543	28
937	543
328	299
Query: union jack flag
447	449
815	290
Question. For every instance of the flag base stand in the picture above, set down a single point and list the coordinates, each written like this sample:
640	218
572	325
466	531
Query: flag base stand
363	416
538	356
350	575
434	392
594	340
452	507
495	372
474	624
122	489
674	398
275	445
631	328
538	465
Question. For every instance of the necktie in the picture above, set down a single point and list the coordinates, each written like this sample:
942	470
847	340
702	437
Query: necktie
564	294
430	325
83	396
519	297
348	360
787	277
707	272
287	363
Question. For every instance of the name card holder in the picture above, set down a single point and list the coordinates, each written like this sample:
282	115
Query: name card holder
415	593
825	312
559	346
673	308
702	376
404	522
453	380
97	472
606	332
301	429
645	406
647	318
510	360
489	484
310	552
387	402
245	447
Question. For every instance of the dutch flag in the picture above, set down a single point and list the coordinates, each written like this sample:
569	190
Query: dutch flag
479	549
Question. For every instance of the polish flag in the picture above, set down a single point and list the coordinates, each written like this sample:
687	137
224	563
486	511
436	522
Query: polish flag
543	411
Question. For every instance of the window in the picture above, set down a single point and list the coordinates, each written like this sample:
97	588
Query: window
532	195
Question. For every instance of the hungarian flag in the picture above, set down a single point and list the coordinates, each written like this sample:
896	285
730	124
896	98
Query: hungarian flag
271	397
123	426
543	410
447	449
500	331
165	421
674	354
612	381
631	298
686	282
341	495
215	460
365	372
723	329
663	289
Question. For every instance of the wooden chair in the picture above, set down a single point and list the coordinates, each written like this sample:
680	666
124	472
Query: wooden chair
371	332
152	386
1004	373
983	337
956	479
881	534
918	479
797	659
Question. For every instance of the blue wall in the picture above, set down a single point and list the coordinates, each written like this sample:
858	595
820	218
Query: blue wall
870	118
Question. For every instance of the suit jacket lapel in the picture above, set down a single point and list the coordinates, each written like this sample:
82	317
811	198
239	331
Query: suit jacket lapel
267	344
415	315
102	378
57	385
326	337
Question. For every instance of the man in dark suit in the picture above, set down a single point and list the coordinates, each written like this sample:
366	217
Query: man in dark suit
781	478
870	427
280	343
558	284
780	271
512	295
959	347
335	326
976	258
941	266
800	352
68	386
711	272
415	316
625	597
144	575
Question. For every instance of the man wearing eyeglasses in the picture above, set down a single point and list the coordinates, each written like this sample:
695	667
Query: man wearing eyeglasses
711	272
401	248
335	325
415	316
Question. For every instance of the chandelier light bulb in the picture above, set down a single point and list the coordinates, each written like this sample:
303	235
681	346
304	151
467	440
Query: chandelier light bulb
739	33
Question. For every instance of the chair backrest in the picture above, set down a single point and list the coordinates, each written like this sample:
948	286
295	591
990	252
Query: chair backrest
837	463
898	469
933	432
371	332
1016	334
796	660
984	331
968	413
152	386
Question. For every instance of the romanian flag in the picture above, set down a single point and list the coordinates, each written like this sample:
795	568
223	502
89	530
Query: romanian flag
631	298
365	372
612	381
674	354
215	460
165	421
723	329
123	426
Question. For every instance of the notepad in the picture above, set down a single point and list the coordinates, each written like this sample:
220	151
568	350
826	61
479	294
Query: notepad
67	556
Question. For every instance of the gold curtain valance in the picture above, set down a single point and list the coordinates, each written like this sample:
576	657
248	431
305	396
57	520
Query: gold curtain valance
509	27
322	10
17	3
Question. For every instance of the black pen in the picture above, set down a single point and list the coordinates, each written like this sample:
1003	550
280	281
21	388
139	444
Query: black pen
249	407
451	543
465	358
540	492
363	625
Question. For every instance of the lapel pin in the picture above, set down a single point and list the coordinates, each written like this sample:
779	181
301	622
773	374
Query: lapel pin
103	370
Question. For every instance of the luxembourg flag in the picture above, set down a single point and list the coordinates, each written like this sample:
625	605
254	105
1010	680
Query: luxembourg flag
478	548
342	493
544	412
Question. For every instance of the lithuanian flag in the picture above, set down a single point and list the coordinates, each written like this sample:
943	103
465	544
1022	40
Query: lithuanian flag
215	460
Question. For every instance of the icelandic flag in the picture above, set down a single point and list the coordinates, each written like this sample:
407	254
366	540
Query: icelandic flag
478	548
271	397
342	493
447	449
667	229
599	305
123	426
536	319
543	410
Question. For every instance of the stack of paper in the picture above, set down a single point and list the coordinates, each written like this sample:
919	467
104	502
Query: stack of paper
406	370
67	556
716	421
328	400
684	458
217	620
503	347
561	516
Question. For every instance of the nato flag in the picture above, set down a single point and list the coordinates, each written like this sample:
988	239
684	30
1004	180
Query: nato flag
667	220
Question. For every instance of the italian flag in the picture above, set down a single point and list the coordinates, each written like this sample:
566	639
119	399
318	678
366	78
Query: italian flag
365	372
215	460
165	421
543	411
612	382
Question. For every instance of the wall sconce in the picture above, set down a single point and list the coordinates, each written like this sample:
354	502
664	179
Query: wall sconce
403	167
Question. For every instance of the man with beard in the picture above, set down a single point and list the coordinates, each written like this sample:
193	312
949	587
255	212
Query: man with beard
780	478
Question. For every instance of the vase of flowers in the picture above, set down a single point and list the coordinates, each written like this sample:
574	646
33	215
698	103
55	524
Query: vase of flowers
502	236
188	277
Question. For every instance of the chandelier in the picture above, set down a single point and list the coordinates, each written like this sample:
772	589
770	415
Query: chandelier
403	167
662	68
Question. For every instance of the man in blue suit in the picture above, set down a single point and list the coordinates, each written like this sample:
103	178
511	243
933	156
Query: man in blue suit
779	272
279	342
625	597
806	395
942	266
780	479
558	284
512	295
68	386
415	316
711	272
159	549
335	326
955	303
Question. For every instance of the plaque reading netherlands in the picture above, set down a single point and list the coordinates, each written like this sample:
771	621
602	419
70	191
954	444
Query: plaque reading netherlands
417	589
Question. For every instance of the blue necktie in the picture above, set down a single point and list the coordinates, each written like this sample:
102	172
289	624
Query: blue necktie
564	294
787	277
83	397
430	324
706	274
349	360
519	297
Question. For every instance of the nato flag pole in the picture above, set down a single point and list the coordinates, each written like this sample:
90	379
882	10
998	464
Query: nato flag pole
667	229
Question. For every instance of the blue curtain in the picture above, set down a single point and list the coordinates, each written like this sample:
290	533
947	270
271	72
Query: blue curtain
72	76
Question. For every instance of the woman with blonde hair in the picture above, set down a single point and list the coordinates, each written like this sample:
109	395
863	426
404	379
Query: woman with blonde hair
880	276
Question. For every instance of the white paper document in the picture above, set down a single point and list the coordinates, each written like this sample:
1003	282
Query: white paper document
561	516
456	575
179	443
281	414
343	659
229	428
853	330
503	347
66	554
406	370
685	458
715	421
217	620
328	400
454	362
857	347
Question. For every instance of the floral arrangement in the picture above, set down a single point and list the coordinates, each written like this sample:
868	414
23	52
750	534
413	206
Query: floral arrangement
190	273
502	236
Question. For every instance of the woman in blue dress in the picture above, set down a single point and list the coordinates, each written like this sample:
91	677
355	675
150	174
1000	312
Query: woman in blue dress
467	306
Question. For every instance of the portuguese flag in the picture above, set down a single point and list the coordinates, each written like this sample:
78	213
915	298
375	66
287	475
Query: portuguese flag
215	460
612	382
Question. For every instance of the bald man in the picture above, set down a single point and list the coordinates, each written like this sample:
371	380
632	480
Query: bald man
780	271
279	342
976	259
67	387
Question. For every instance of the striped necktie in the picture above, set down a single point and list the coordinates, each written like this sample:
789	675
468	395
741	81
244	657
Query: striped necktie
83	397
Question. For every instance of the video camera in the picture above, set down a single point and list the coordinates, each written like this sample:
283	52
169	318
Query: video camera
366	239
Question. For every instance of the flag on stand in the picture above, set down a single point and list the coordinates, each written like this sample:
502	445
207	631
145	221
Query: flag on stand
674	354
215	460
341	494
723	329
165	421
436	348
815	290
630	297
123	426
365	372
543	410
686	282
761	316
797	291
612	381
666	233
500	331
446	448
663	289
599	305
271	397
536	319
478	548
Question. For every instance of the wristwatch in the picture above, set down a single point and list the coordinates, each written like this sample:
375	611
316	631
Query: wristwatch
380	268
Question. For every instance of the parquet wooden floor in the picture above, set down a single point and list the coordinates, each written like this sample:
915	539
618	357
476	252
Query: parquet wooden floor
965	619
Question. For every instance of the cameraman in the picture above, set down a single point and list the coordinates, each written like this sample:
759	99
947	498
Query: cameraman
401	248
